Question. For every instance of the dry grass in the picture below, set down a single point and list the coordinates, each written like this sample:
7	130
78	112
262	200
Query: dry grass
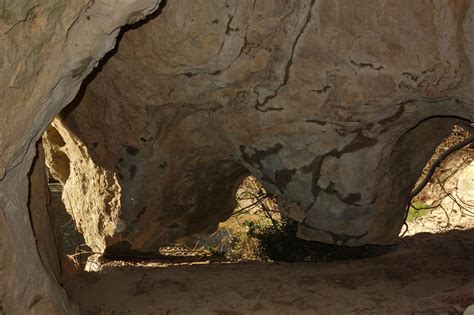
232	239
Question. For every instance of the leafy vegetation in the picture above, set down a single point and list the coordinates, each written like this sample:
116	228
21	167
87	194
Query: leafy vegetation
417	210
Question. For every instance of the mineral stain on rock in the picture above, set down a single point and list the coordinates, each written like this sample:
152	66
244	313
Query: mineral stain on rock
131	150
259	154
133	170
283	177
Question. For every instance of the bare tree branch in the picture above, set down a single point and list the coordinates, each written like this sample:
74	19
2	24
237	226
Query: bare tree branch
437	163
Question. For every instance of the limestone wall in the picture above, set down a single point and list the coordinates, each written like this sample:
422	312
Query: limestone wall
335	106
46	50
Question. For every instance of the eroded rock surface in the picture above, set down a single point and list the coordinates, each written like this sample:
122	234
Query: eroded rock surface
47	48
321	100
335	106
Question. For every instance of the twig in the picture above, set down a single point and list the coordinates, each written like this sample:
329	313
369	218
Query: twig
461	207
251	206
424	208
447	216
461	200
437	163
265	210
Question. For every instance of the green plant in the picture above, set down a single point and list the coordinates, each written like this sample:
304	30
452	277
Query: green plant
417	210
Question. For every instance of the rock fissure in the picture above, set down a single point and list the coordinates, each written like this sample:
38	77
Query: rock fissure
366	65
74	22
23	20
337	239
286	77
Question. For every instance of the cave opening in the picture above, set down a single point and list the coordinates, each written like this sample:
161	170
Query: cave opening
166	272
442	198
110	167
160	136
442	205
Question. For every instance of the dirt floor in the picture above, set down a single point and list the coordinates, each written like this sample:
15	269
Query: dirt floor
423	274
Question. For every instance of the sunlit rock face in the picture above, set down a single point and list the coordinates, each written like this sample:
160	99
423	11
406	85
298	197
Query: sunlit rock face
85	185
334	105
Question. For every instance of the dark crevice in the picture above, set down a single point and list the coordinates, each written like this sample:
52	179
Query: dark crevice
286	77
324	89
28	204
366	65
258	156
139	214
316	121
412	76
245	45
228	29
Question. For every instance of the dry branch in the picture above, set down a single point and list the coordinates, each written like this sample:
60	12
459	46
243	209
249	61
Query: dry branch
438	162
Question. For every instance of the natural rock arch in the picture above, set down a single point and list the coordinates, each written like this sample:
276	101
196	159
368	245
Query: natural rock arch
328	91
213	89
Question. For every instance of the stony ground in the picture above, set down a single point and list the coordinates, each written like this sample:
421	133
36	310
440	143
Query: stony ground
423	274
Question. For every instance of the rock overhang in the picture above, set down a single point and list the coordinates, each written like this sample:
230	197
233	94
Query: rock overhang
202	95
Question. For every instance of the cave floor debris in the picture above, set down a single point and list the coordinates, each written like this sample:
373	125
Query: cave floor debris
424	273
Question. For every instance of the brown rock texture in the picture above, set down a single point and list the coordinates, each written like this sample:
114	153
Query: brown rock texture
44	228
86	186
47	48
334	106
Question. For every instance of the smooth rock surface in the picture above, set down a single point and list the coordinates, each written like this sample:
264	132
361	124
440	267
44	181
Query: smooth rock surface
43	225
469	310
335	106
